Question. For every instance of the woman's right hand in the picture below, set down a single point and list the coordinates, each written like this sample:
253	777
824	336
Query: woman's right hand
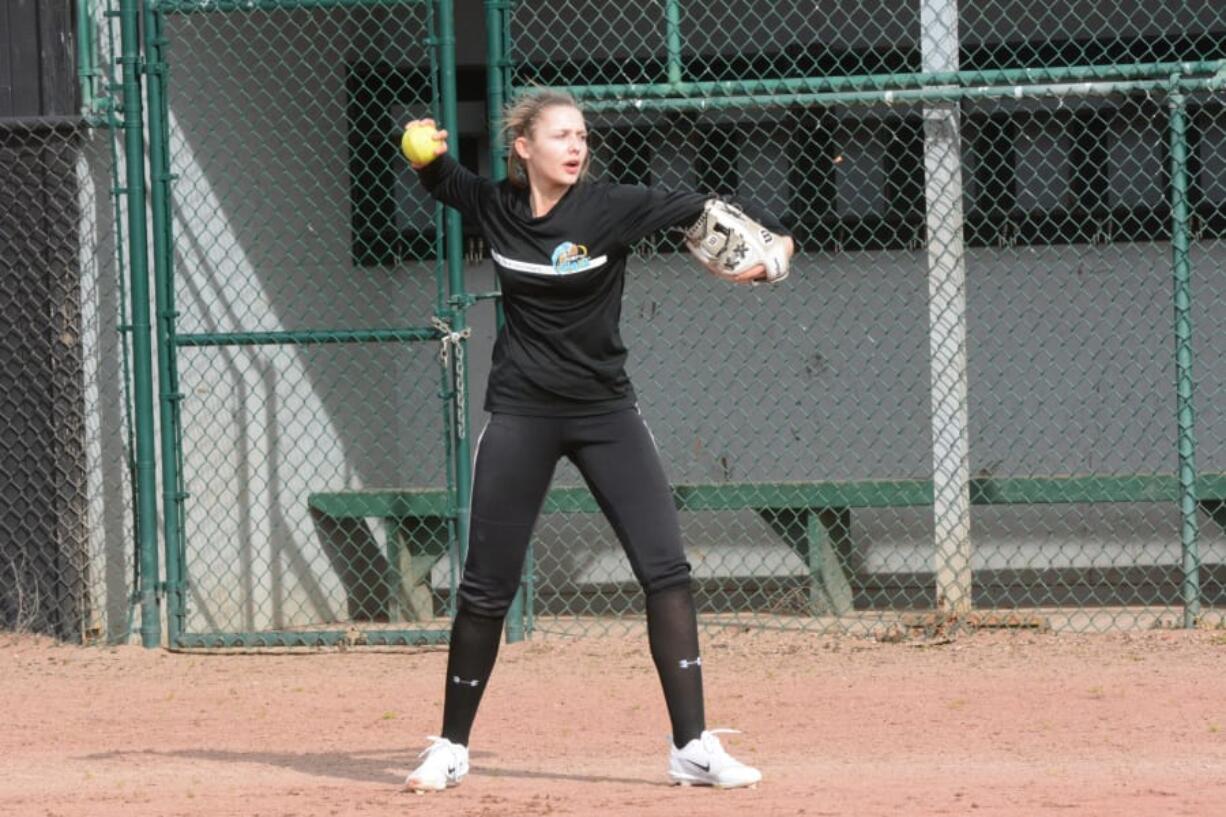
439	137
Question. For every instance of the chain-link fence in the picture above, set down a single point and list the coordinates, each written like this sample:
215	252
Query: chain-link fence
66	502
991	386
976	390
304	284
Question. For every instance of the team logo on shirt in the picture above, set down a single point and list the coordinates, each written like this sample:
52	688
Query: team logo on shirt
570	257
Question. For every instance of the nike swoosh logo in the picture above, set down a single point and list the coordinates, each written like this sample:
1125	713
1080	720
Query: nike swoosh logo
705	768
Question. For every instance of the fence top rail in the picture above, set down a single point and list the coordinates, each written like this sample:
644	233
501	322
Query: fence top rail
207	6
911	96
899	81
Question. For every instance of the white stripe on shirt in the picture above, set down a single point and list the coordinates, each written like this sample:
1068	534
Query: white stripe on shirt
545	269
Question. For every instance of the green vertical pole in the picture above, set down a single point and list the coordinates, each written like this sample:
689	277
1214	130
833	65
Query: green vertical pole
672	17
455	270
1182	268
495	94
495	82
529	581
163	282
146	473
86	70
496	91
447	381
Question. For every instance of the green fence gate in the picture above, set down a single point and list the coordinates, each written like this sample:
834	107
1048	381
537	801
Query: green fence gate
305	304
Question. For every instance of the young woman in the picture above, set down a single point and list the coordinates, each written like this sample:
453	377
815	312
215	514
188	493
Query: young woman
558	388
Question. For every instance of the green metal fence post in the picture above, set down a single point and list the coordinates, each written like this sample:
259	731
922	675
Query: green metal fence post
495	93
87	68
442	310
146	472
455	270
672	15
163	281
494	79
1181	267
496	90
529	578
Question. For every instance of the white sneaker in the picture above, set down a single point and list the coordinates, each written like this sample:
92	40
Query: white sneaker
703	762
445	765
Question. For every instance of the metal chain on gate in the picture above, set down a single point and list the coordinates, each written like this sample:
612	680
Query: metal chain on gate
447	340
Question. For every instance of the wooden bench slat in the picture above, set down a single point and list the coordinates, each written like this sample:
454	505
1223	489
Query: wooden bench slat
812	518
422	502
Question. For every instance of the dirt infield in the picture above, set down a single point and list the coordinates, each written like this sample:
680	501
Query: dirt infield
989	724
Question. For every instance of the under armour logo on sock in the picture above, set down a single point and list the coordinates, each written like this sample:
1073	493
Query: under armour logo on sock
697	662
455	679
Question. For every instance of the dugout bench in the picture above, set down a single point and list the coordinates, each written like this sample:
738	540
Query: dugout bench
812	518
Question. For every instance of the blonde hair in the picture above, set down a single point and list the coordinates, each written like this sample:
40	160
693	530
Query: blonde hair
520	118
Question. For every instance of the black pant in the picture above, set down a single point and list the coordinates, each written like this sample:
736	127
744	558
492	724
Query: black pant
515	461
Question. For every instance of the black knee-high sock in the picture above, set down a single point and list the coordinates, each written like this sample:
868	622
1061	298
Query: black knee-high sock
470	660
672	630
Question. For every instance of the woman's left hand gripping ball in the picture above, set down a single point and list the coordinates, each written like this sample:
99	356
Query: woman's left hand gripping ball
422	142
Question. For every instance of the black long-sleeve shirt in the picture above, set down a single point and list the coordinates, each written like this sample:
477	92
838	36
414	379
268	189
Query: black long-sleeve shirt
560	352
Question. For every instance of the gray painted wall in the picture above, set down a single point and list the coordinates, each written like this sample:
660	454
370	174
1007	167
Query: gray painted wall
825	377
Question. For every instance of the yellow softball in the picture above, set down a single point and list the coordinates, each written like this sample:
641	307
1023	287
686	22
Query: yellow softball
419	144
